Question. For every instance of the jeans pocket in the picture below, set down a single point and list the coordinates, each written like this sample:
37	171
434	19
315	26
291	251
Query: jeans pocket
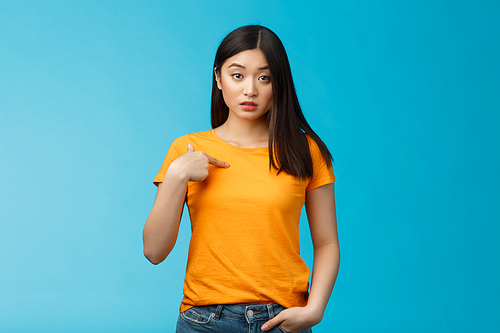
280	329
198	315
309	330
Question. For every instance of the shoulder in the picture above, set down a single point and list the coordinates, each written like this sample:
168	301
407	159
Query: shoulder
318	151
313	146
193	138
309	139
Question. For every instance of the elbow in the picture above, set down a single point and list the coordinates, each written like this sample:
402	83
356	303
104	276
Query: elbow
153	257
156	250
154	261
337	252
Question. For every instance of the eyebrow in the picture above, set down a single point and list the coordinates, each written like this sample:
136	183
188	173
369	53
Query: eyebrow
241	66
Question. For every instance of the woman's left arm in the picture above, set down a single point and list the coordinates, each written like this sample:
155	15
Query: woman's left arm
320	207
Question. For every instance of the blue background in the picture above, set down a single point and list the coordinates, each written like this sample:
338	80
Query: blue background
405	94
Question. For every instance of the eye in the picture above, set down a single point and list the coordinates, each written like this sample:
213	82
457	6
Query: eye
265	78
237	76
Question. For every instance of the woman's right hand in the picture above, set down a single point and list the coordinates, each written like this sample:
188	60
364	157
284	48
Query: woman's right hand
193	165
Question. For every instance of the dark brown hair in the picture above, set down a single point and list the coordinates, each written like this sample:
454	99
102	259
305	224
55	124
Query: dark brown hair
288	146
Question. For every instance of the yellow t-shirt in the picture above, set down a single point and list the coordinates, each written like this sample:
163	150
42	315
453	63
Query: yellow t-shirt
245	226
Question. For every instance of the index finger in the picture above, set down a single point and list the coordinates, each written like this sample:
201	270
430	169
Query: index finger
216	162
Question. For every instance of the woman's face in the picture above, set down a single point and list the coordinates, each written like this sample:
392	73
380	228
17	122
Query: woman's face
245	81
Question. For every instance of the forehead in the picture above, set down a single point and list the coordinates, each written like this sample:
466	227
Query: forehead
250	59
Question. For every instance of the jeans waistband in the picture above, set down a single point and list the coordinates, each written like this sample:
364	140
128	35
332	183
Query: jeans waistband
250	312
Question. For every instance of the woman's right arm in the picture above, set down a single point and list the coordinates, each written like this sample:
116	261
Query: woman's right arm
162	226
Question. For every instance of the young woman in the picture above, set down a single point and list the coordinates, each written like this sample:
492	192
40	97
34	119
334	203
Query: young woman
245	182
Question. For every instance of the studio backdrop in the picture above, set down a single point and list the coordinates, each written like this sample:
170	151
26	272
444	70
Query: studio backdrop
404	93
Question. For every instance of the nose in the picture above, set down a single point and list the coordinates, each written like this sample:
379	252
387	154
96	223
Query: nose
250	88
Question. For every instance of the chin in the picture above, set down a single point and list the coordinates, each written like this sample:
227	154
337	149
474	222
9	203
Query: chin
252	117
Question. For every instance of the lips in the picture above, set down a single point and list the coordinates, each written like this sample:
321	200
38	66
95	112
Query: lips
248	103
248	106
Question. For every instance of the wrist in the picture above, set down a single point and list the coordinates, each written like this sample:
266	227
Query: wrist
315	312
176	175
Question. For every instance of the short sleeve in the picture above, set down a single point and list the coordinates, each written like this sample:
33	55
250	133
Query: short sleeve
173	152
322	174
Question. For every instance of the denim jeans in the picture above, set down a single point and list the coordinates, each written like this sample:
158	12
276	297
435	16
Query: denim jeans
229	318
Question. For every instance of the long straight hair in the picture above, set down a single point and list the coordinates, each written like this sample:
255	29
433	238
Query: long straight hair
288	146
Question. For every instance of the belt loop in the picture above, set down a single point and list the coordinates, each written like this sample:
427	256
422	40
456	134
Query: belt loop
218	311
270	310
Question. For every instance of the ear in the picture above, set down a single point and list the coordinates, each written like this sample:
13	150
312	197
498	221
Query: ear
217	78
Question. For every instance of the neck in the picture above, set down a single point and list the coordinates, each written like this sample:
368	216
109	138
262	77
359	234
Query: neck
244	133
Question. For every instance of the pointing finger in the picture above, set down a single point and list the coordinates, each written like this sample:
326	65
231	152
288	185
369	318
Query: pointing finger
216	162
190	148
